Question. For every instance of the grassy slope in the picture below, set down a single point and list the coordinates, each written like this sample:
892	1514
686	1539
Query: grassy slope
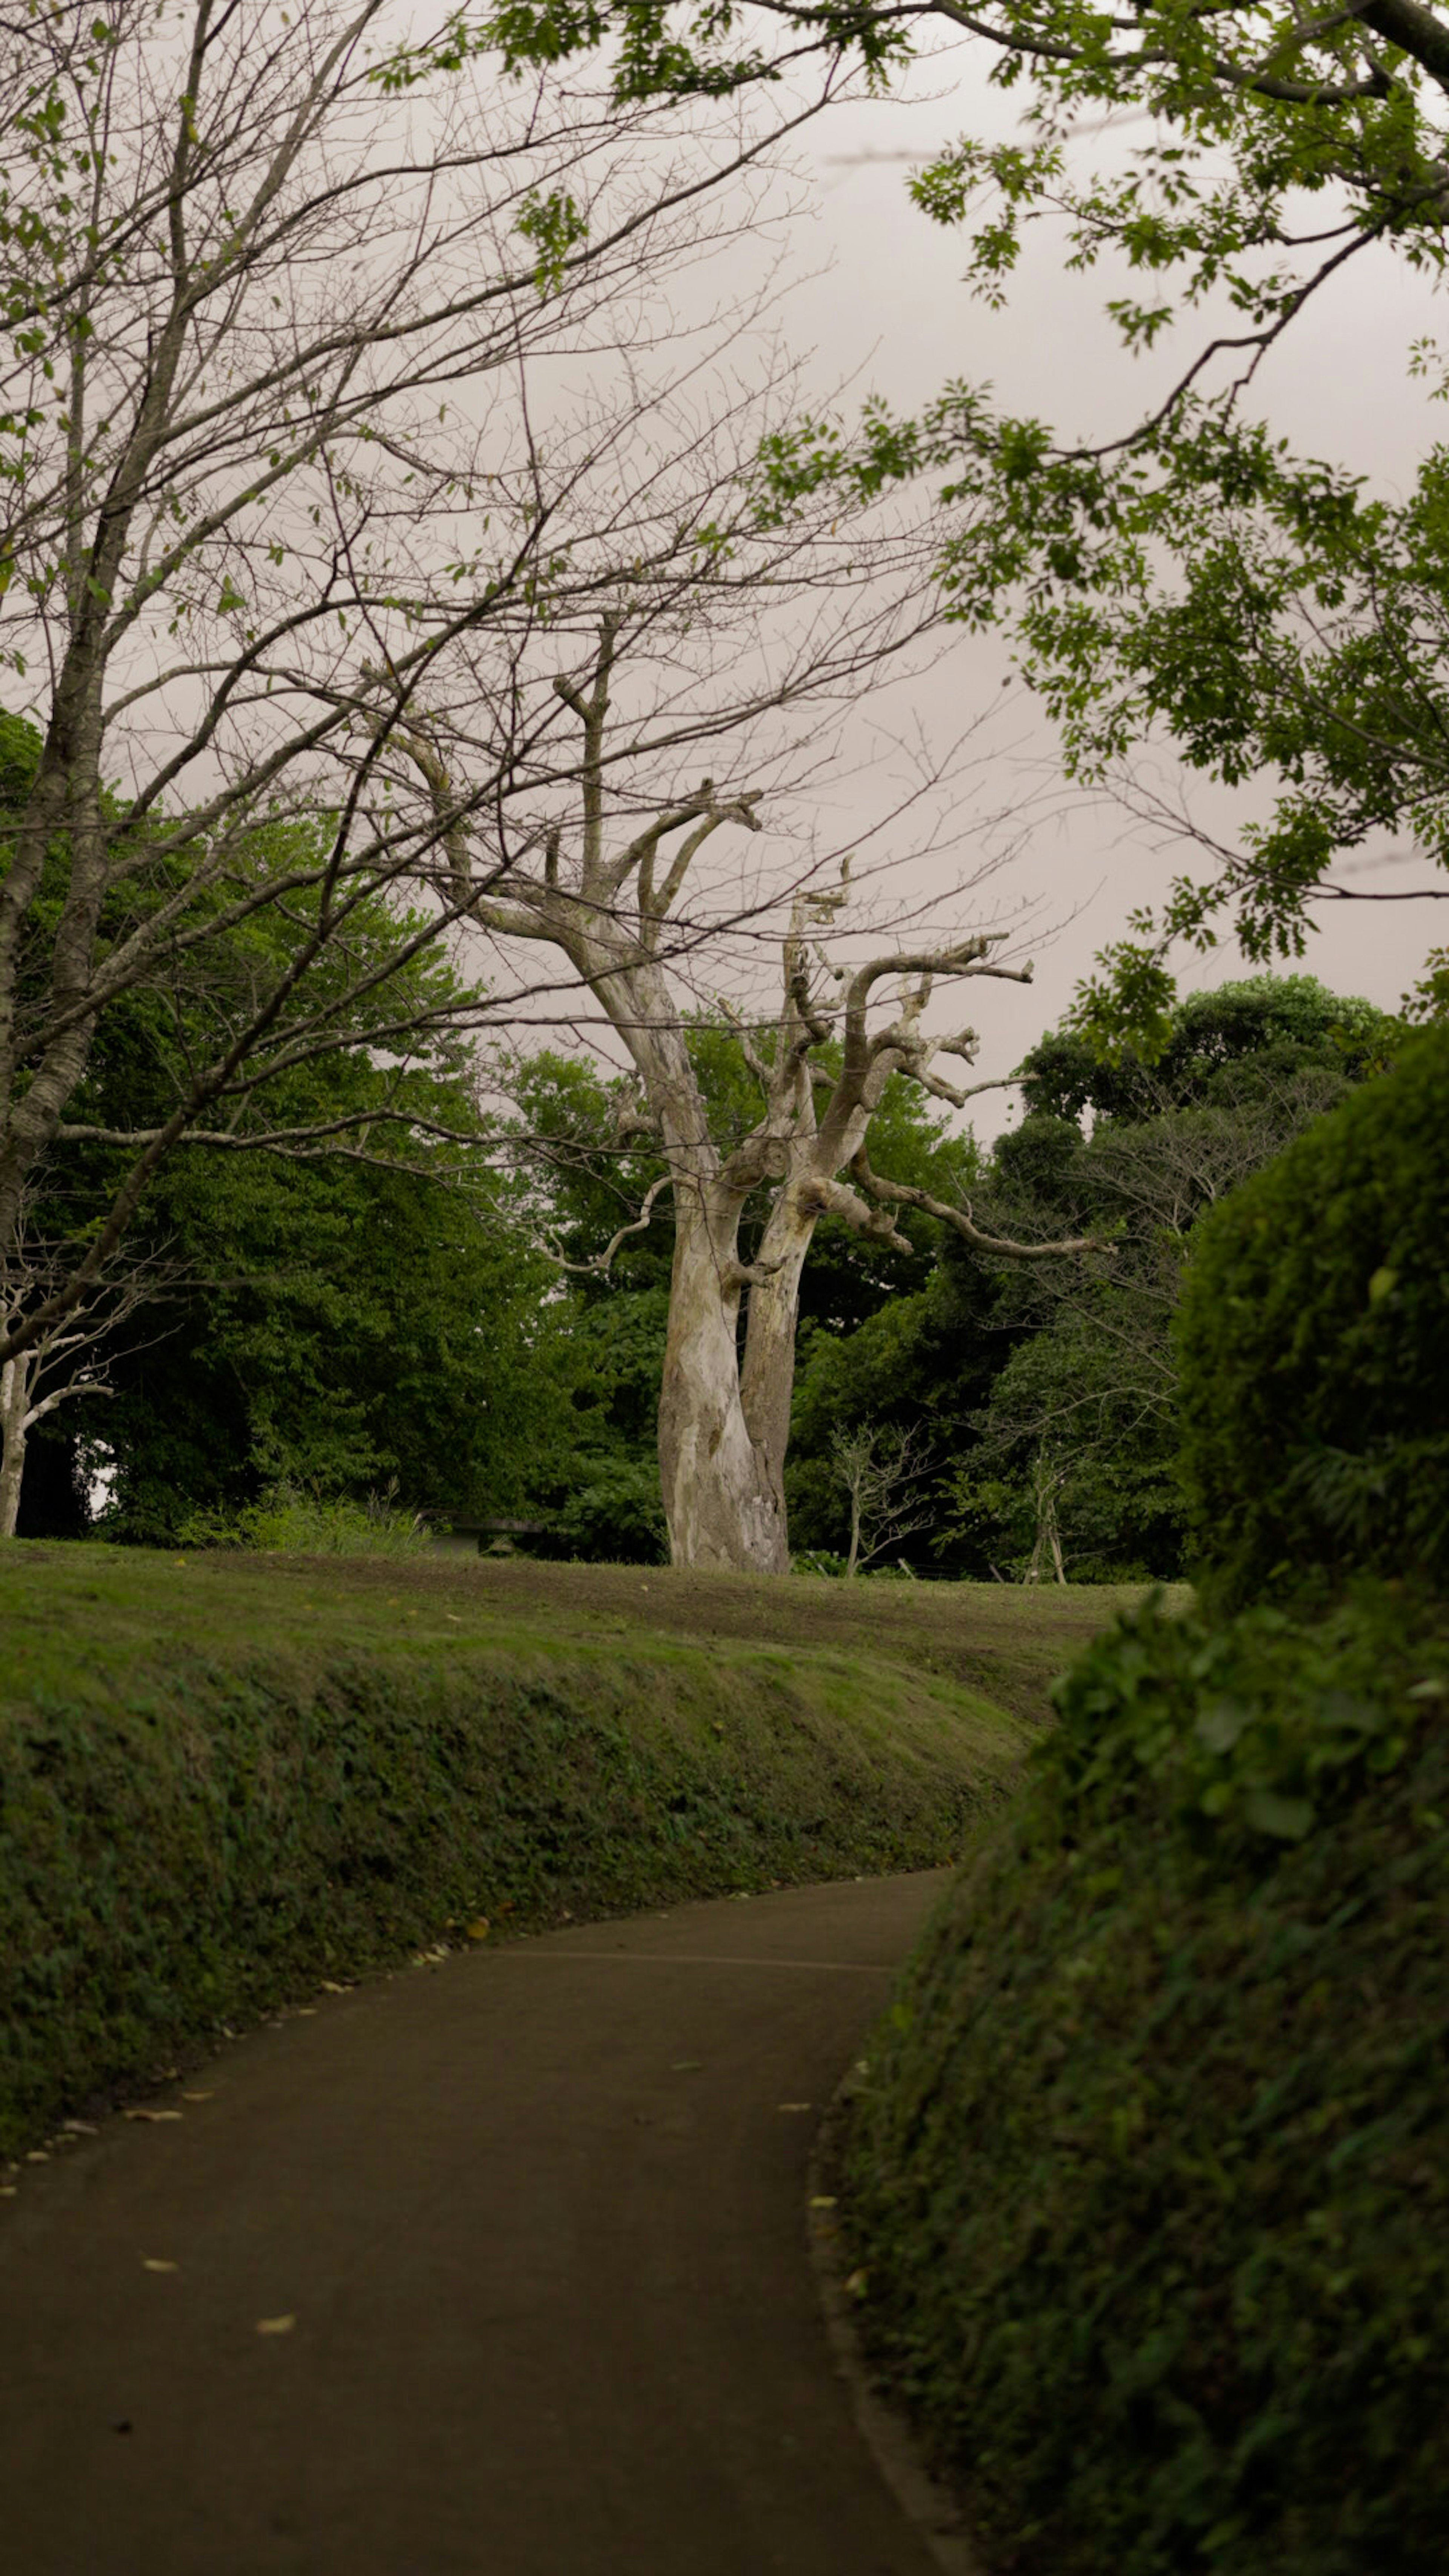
222	1778
77	1618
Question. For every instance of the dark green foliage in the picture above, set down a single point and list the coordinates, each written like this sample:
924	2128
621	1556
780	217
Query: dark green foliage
226	1827
1149	2175
54	1502
917	1363
341	1322
1313	1344
1266	1024
348	1329
607	1511
1056	1379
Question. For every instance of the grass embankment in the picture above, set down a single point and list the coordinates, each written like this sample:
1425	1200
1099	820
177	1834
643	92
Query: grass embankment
1149	2180
224	1778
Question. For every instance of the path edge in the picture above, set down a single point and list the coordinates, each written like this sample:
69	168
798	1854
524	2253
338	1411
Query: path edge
928	2506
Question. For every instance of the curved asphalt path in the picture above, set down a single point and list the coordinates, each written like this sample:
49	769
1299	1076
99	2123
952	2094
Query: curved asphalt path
538	2217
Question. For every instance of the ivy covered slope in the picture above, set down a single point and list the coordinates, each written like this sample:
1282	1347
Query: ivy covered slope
1149	2178
325	1765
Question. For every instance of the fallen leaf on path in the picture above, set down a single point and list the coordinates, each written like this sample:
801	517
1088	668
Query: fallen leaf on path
822	2200
478	1929
80	2128
686	2065
305	2012
794	2106
198	2097
331	1987
275	2325
36	2156
140	2114
158	2263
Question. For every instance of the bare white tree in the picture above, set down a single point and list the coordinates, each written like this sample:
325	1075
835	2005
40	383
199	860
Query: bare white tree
1047	1480
881	1469
609	886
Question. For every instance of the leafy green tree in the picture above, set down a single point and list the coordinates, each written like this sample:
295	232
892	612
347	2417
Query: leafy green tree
339	1298
1051	1396
351	1329
923	1360
1085	1414
1187	572
1262	1026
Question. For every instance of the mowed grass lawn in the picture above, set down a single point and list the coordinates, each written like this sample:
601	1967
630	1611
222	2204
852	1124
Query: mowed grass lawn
83	1619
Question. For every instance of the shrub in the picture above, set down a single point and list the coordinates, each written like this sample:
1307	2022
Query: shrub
296	1520
1313	1343
1148	2180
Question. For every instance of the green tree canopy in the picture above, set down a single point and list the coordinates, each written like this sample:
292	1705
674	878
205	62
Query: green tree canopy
1186	573
1056	1388
350	1303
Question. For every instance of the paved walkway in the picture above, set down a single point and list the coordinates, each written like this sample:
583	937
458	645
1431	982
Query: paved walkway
536	2219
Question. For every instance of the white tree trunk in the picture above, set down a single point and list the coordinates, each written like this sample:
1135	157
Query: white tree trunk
14	1424
724	1424
723	1505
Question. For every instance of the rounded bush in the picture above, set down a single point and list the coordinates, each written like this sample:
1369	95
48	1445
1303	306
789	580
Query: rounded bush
1313	1344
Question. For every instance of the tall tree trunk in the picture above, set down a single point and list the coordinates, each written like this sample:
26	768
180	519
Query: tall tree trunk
724	1424
722	1503
853	1560
767	1376
14	1392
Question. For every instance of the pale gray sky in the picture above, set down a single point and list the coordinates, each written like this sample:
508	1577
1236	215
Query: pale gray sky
894	315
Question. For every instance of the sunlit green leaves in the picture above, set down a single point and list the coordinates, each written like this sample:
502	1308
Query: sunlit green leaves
553	225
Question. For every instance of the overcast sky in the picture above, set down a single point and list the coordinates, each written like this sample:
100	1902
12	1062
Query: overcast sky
894	315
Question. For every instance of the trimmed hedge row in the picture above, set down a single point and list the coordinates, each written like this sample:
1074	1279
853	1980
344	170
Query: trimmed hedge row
217	1839
1313	1348
1150	2177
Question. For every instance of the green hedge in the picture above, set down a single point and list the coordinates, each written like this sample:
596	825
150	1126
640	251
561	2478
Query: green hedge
212	1840
1313	1345
1150	2178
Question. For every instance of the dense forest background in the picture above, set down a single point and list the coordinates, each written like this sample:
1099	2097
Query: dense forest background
443	1346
